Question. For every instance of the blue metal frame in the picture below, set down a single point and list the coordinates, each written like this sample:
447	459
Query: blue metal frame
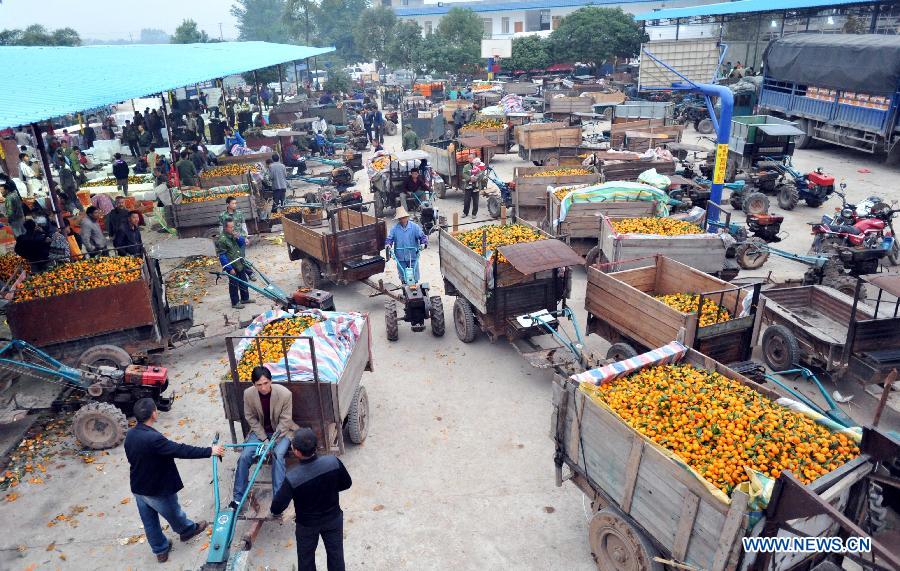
576	346
225	521
270	290
51	367
722	123
410	270
834	412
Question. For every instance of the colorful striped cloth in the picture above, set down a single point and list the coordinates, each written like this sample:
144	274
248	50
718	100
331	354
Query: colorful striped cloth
671	353
334	339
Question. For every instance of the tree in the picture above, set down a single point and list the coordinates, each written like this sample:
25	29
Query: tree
530	52
188	33
153	36
334	22
10	37
261	20
373	32
338	80
37	35
65	37
594	35
455	46
405	44
300	19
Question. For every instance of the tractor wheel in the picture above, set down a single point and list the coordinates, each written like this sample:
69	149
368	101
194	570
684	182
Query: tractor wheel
493	206
608	114
616	544
310	273
894	254
440	187
437	316
705	126
538	163
736	200
99	425
358	417
390	321
310	198
814	202
788	196
378	201
105	355
212	233
751	254
464	320
846	285
755	203
592	257
621	351
803	141
780	349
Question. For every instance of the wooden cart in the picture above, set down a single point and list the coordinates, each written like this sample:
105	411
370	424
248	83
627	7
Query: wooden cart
201	219
491	296
621	309
705	252
645	505
531	189
541	143
444	162
827	329
326	408
498	136
346	248
582	224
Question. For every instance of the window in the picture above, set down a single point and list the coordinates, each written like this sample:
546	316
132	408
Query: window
545	19
554	22
488	27
504	25
427	28
519	27
404	2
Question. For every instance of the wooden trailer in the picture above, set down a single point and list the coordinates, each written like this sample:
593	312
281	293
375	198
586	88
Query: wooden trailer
346	248
582	224
541	142
201	219
649	508
621	309
531	189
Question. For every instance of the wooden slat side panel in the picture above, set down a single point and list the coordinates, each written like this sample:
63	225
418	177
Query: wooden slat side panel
876	335
207	213
351	377
304	239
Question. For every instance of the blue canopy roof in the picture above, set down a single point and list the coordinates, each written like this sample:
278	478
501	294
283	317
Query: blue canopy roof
740	7
45	82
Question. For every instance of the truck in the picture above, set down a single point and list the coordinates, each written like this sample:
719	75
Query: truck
842	89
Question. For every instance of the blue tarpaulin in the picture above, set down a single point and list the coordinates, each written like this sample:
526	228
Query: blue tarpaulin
46	82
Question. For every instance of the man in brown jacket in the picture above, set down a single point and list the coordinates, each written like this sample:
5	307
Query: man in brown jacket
268	409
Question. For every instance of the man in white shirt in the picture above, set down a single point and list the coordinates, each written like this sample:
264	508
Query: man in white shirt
26	173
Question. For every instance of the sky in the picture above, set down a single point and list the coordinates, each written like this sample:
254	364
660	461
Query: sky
115	19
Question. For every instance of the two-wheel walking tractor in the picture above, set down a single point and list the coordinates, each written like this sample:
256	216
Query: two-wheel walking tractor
413	296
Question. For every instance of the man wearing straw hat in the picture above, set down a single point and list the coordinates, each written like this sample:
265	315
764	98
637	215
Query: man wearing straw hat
407	239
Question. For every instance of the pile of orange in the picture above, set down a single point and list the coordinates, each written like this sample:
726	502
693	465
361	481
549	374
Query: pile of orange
236	169
497	236
211	196
711	314
268	344
10	265
288	210
658	226
82	275
719	426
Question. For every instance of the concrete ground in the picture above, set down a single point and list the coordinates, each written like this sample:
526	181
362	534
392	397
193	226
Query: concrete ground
457	471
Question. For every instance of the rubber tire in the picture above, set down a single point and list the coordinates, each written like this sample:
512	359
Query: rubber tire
788	196
114	425
211	233
493	206
789	346
111	355
441	189
378	204
310	273
748	248
894	255
464	320
814	202
803	141
358	417
438	323
846	285
592	257
628	542
705	126
538	163
755	203
736	201
621	351
390	321
310	198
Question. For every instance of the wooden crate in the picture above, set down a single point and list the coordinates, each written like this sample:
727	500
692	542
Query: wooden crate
310	241
583	218
617	138
449	106
569	105
214	181
207	213
621	307
497	135
547	136
531	191
705	252
613	462
630	170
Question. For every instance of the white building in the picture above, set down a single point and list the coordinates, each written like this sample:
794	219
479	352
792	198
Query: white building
505	19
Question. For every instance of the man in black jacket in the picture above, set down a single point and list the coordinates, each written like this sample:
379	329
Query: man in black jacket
155	481
314	485
127	239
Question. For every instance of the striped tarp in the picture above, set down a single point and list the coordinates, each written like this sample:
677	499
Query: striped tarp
334	339
671	353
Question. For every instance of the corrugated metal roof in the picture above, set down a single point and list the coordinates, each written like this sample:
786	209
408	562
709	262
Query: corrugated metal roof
435	10
741	7
45	82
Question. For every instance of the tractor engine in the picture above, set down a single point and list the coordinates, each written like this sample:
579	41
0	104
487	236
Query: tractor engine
820	184
416	311
124	388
